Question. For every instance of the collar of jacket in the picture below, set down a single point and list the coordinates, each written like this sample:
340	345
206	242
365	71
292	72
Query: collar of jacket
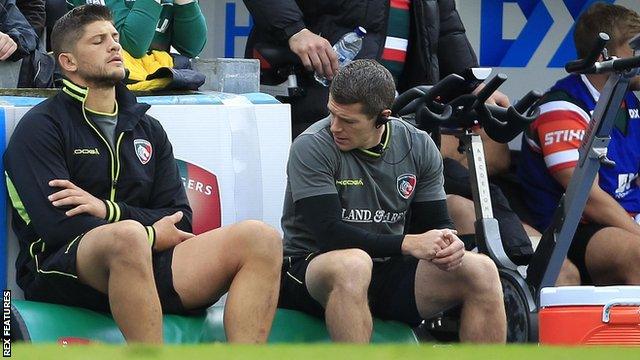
129	110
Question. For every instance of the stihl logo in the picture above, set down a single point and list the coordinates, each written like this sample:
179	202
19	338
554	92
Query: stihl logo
563	136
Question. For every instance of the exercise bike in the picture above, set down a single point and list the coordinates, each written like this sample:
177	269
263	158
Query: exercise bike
522	295
279	71
469	113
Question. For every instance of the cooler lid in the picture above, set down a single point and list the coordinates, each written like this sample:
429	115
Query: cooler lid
586	295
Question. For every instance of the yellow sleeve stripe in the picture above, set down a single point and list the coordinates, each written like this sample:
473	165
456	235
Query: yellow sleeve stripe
116	207
110	211
113	211
151	235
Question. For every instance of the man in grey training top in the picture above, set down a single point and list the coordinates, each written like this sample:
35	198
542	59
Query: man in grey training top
352	177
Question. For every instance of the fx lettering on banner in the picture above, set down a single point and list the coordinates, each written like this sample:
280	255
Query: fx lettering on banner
495	50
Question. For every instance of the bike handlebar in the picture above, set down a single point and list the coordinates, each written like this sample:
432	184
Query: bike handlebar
589	64
507	123
417	100
616	65
468	110
485	93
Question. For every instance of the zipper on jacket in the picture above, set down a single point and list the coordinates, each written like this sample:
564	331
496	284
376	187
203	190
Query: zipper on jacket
114	182
115	161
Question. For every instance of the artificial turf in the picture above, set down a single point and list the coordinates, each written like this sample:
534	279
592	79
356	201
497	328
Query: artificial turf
324	351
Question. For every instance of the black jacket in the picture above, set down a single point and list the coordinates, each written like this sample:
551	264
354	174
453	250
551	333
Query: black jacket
35	13
13	23
438	45
55	140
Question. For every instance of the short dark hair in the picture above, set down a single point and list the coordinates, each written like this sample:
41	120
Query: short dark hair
620	23
366	82
70	27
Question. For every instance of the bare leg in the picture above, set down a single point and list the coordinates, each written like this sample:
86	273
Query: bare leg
339	280
244	258
612	257
530	230
569	274
476	285
462	213
116	259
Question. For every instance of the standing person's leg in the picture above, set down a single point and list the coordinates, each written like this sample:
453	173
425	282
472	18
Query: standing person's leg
245	259
115	259
339	281
476	285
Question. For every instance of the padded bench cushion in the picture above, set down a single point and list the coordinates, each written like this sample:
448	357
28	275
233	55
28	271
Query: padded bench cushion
43	322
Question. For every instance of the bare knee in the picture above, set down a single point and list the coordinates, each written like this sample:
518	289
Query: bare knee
481	276
128	244
259	240
347	272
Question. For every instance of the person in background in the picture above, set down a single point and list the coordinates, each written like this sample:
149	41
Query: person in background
606	245
17	37
35	13
146	25
309	28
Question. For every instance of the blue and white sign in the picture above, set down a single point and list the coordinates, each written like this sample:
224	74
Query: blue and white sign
535	18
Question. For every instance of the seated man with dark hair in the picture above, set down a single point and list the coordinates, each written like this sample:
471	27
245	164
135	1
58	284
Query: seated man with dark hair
606	245
352	177
106	226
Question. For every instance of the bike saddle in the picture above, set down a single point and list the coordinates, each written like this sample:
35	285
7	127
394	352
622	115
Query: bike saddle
274	57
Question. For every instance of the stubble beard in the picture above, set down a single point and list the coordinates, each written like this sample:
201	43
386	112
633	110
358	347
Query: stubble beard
104	79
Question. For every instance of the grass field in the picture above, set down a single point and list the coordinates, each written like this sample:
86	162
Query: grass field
332	352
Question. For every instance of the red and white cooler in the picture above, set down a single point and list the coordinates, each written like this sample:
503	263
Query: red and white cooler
590	315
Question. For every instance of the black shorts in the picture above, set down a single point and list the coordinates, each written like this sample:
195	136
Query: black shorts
578	250
56	281
391	291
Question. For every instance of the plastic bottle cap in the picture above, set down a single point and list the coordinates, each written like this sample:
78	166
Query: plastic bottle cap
360	31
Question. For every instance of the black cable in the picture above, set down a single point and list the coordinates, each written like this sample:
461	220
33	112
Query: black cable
403	122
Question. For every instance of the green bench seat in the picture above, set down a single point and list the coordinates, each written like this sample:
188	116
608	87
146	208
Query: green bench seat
42	322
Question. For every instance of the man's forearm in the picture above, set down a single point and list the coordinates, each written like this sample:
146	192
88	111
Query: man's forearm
321	216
